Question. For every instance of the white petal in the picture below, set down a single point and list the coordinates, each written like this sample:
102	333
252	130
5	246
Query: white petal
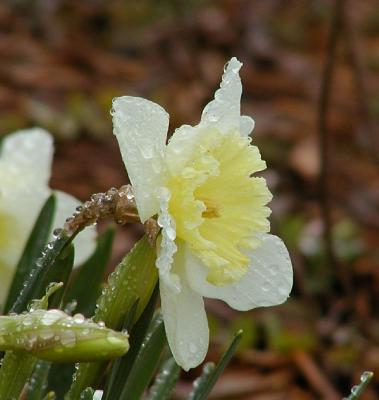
26	155
25	162
141	129
97	395
223	112
85	242
18	212
268	281
246	125
167	247
181	147
185	320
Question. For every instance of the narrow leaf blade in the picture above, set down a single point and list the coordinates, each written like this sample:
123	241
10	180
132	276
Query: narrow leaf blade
205	384
85	288
146	362
122	367
165	381
33	249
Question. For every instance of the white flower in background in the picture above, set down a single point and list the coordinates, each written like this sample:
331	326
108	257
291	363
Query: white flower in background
214	241
25	167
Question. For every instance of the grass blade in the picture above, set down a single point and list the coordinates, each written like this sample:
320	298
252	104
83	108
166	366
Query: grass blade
122	367
32	251
165	381
16	367
357	390
146	362
85	288
87	394
15	371
43	269
135	277
38	384
207	380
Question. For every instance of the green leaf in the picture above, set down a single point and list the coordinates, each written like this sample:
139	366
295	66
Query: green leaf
134	278
165	381
122	366
200	384
205	383
85	288
146	362
60	272
357	390
42	273
37	384
87	394
14	373
32	251
50	396
60	378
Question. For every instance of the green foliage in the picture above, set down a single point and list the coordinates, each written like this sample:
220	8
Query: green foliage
37	341
37	384
15	371
146	362
122	367
46	269
85	288
165	381
204	384
32	251
357	390
134	278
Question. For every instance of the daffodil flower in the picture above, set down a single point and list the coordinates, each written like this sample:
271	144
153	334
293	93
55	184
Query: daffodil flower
213	212
25	166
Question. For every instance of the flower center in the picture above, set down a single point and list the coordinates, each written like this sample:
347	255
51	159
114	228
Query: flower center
211	209
218	207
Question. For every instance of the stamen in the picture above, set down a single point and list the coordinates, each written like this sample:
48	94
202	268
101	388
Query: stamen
212	209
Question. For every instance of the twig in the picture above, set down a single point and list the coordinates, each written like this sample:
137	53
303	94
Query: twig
314	376
355	58
324	142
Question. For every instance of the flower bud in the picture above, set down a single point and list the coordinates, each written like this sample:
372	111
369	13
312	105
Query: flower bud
55	336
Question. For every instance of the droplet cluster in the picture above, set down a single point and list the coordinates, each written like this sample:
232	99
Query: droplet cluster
46	332
115	203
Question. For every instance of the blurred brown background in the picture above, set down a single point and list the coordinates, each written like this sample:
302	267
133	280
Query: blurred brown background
62	62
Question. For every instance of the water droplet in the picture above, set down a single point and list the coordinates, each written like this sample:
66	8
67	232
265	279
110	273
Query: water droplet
27	321
52	316
226	66
366	375
78	318
68	339
192	347
46	335
273	268
355	390
266	286
57	232
147	151
213	117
